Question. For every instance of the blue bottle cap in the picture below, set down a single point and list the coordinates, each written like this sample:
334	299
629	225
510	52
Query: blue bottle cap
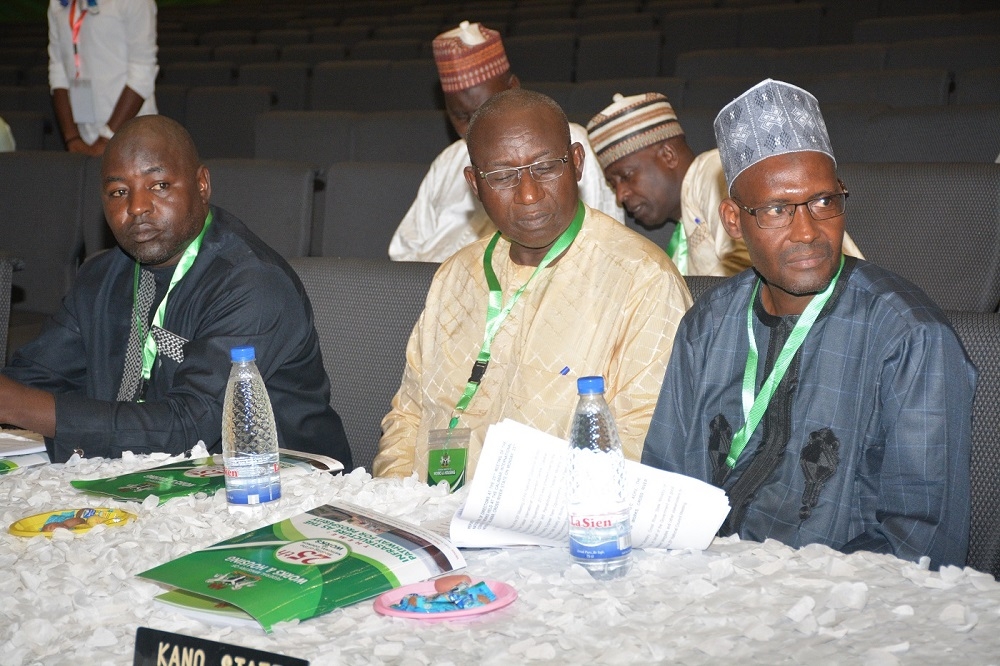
242	354
585	385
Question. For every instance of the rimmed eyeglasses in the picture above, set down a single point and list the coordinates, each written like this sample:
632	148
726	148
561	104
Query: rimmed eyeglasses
778	215
541	171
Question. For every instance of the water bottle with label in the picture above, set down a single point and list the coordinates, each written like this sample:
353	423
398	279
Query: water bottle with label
249	436
600	533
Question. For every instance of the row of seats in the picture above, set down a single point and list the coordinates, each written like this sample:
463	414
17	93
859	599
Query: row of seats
555	57
868	115
352	208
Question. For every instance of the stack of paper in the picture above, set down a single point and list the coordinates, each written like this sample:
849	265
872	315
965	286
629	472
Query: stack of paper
518	497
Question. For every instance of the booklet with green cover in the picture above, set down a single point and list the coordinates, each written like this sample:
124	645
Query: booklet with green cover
332	556
186	477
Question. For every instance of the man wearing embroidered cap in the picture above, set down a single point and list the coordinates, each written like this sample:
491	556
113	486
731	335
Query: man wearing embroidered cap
657	178
560	291
445	216
830	398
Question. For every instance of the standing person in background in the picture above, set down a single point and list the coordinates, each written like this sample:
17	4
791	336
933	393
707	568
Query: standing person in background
446	216
102	67
656	176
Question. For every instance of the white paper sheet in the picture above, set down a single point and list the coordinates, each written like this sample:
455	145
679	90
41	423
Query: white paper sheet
19	444
518	497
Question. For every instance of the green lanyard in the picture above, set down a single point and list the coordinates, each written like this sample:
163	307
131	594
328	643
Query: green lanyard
149	349
754	407
677	248
496	311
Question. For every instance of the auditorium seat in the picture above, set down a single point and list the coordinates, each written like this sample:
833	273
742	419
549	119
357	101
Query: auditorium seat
421	31
167	55
896	88
316	137
349	85
363	204
246	54
401	136
28	128
274	199
611	55
171	101
781	25
717	91
590	23
978	86
957	54
952	133
391	49
812	60
542	57
222	37
284	36
545	26
364	310
43	230
936	224
728	62
288	80
592	96
347	35
221	118
900	28
313	54
696	29
216	73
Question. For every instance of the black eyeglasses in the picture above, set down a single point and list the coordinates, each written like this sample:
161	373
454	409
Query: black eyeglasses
776	215
542	171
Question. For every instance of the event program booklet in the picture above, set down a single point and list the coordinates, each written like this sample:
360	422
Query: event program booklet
186	477
518	497
331	556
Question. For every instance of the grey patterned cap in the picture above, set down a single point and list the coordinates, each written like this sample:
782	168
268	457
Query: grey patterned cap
772	118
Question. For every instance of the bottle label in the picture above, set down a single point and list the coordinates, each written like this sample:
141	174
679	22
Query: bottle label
251	482
599	537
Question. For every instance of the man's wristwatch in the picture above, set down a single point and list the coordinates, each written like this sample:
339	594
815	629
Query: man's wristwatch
106	132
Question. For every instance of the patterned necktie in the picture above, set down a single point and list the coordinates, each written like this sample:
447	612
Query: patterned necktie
132	372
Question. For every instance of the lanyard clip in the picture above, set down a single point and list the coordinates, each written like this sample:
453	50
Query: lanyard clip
478	370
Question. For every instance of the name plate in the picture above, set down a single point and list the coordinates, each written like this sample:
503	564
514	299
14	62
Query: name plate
163	648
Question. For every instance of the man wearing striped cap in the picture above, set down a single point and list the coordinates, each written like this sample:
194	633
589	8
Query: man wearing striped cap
657	178
446	216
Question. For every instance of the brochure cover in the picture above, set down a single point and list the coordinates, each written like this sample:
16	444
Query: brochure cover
186	477
329	557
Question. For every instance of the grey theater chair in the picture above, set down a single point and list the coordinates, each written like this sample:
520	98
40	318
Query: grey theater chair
364	311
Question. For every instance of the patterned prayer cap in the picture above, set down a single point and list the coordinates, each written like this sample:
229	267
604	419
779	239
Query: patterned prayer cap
631	124
772	118
468	56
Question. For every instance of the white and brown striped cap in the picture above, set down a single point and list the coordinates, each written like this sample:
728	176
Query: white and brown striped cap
631	124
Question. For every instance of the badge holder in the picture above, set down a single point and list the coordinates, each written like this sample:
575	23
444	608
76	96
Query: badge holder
447	453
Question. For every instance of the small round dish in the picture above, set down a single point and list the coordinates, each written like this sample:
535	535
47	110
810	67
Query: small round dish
74	520
505	595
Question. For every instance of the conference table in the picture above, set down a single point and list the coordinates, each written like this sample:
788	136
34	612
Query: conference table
75	599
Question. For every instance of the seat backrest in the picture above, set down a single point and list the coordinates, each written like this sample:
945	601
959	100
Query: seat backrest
827	59
245	54
695	29
392	49
221	118
28	128
980	335
215	73
273	198
978	86
364	312
935	224
746	62
317	137
896	88
611	55
401	136
956	54
363	204
42	230
288	80
6	273
699	284
547	57
349	85
943	133
800	25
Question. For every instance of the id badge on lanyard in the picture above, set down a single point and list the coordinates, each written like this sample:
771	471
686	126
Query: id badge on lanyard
81	93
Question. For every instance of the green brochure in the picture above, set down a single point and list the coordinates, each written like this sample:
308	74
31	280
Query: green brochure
186	477
331	556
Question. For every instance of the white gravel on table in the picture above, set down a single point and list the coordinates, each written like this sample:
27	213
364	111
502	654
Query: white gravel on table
75	599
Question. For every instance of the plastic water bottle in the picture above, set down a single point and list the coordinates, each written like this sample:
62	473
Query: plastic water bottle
249	437
600	532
